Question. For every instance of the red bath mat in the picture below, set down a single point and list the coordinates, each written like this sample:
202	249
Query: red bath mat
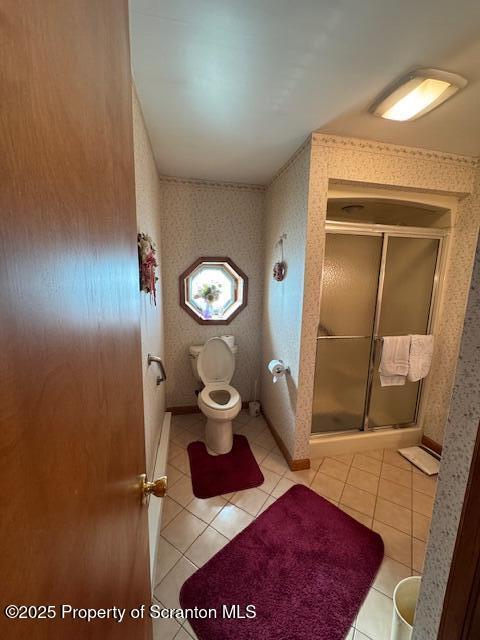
305	565
216	475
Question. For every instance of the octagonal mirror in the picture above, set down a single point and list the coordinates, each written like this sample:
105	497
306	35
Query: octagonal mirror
213	290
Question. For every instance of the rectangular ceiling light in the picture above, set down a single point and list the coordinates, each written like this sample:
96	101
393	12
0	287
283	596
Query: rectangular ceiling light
416	94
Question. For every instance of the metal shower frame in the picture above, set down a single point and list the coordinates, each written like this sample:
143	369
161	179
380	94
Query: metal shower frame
386	231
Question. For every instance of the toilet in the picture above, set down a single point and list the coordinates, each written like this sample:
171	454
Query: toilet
218	401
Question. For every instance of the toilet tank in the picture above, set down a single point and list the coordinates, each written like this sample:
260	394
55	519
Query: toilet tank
194	351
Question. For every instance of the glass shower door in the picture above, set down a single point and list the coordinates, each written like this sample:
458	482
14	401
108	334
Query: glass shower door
344	342
406	294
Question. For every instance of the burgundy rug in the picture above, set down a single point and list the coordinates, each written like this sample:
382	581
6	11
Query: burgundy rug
216	475
304	564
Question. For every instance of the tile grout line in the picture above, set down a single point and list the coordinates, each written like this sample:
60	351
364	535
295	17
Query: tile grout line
185	508
378	489
354	622
228	501
373	474
309	484
209	524
411	545
372	529
345	482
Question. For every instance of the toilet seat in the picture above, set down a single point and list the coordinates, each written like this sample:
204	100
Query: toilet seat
212	403
218	400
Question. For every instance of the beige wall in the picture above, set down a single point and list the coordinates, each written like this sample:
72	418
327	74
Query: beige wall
451	315
147	191
460	436
286	212
354	161
211	219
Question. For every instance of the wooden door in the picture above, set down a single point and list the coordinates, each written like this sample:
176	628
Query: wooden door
461	606
73	530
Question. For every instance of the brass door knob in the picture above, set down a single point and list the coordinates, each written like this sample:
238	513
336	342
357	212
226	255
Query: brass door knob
157	488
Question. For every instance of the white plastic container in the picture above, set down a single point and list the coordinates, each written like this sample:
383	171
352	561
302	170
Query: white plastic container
405	599
254	409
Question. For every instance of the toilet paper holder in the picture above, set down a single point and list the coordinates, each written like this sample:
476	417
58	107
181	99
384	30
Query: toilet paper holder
278	369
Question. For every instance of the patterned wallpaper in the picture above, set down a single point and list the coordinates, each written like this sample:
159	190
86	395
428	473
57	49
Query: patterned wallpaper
317	207
147	192
458	448
451	317
389	164
374	164
286	212
208	219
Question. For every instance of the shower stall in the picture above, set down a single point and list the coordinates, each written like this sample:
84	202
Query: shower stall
378	280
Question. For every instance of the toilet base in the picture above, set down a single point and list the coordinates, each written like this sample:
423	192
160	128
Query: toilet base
219	436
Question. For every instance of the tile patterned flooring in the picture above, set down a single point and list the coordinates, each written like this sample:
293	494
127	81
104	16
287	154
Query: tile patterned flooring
379	488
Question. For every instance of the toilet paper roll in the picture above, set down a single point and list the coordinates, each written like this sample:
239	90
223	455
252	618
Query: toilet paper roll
230	340
277	369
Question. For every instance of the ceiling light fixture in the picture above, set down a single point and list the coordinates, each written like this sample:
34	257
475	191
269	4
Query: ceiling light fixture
416	94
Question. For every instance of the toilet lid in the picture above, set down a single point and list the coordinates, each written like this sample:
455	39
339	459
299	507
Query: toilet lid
216	362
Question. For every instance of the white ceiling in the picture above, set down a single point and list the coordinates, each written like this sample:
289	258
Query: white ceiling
230	88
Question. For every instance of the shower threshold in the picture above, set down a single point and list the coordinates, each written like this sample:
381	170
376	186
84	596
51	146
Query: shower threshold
339	443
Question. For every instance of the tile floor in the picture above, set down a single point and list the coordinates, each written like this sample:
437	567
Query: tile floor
379	488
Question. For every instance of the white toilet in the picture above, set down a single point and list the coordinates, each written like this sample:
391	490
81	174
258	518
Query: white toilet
218	401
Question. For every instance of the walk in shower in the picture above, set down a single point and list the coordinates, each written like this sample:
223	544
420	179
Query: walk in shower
378	280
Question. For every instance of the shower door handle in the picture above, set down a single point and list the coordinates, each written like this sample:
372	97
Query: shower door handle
377	346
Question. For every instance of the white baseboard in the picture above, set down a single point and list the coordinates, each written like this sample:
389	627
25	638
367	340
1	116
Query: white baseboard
155	504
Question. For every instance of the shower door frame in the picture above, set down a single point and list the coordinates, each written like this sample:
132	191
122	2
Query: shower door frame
384	231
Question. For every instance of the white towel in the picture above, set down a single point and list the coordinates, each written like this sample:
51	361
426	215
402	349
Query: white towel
394	364
421	351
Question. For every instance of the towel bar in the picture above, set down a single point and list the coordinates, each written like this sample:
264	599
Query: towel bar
163	376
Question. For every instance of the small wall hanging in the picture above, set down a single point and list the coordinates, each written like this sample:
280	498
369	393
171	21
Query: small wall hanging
147	262
280	268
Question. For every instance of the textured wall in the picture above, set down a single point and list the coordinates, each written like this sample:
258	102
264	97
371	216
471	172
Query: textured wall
373	164
209	219
317	208
286	212
147	192
451	316
458	448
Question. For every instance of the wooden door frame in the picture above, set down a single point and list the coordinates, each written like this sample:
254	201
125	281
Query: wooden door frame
460	606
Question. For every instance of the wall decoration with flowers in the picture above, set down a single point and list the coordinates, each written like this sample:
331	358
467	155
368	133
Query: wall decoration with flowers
280	267
147	251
